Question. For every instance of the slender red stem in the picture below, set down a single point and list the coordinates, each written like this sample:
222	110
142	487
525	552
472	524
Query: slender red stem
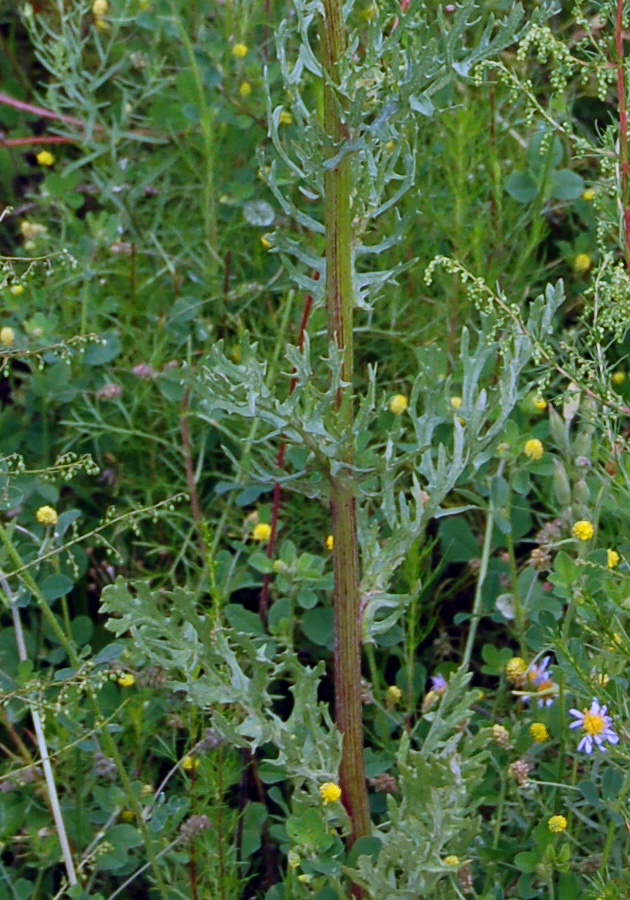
623	127
6	100
277	490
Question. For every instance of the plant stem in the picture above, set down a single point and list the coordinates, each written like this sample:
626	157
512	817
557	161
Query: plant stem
339	310
623	129
43	748
483	571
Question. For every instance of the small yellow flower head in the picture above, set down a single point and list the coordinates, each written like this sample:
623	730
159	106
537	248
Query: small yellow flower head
398	404
612	558
588	194
285	118
582	263
539	732
46	515
539	404
393	694
501	736
261	532
556	824
147	790
189	763
32	230
99	8
451	860
583	530
264	240
45	158
304	878
533	449
240	50
245	89
7	336
16	289
618	378
126	679
600	679
330	542
456	402
127	815
390	145
515	669
329	792
293	859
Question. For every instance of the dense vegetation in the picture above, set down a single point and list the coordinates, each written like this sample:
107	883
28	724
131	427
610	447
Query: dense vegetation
315	507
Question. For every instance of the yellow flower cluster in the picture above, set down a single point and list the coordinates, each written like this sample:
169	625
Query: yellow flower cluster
583	530
612	558
126	679
556	824
45	158
46	515
329	792
239	51
398	404
539	732
515	669
533	449
261	532
7	336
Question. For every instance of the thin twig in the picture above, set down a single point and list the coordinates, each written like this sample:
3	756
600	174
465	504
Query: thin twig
41	743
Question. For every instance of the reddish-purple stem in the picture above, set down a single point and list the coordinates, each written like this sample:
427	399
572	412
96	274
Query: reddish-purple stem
277	490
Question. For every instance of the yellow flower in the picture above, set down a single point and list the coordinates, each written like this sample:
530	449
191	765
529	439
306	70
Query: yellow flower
126	679
285	118
7	336
583	530
612	558
245	89
16	289
32	230
127	815
393	693
588	194
240	50
46	515
329	792
264	240
304	878
539	732
451	860
515	669
45	158
533	449
330	542
147	790
456	402
618	377
390	145
189	763
261	532
99	8
398	404
539	403
556	824
582	263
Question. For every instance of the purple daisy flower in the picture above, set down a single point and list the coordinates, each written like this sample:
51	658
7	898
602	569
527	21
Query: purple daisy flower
540	677
596	725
